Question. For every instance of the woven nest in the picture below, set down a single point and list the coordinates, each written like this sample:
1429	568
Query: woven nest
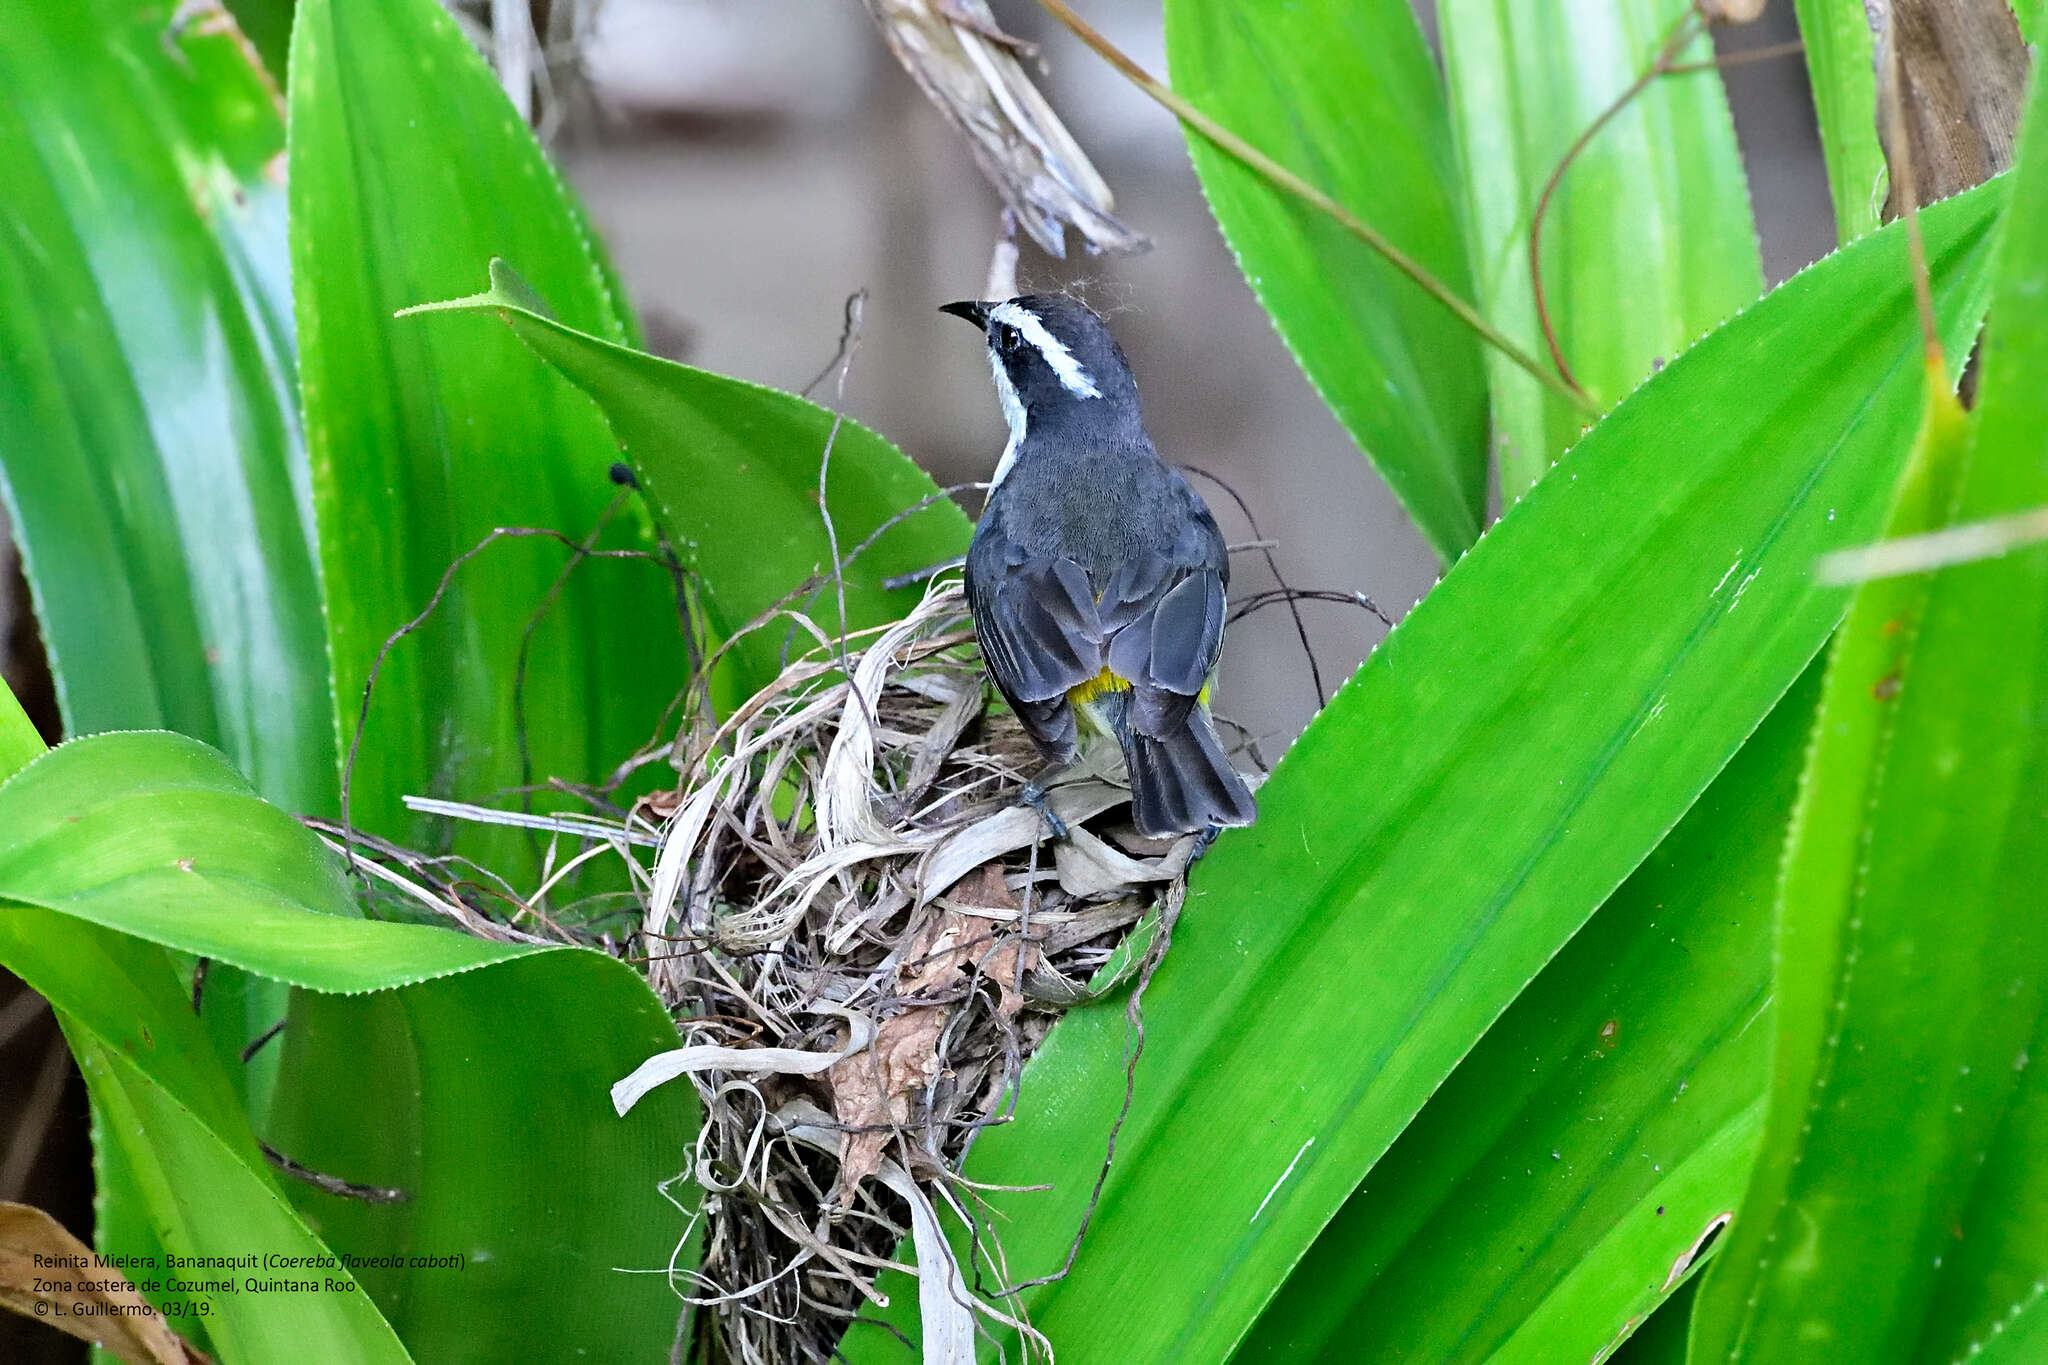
862	936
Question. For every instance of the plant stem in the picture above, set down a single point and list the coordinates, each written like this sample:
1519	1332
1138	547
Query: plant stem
1741	58
1282	178
1900	155
1931	550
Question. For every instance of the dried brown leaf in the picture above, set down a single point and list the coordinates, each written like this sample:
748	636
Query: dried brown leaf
96	1304
1012	958
1961	78
872	1092
875	1091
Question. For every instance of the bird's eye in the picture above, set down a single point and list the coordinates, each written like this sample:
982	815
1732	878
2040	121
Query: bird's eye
1008	339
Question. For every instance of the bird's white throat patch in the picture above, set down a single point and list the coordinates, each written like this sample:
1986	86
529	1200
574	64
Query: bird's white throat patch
1071	375
1013	413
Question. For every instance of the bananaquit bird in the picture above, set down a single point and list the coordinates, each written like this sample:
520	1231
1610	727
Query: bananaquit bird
1096	575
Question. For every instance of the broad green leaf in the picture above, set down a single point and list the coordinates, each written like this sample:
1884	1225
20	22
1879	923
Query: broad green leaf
1822	891
495	1110
429	1061
19	741
1841	69
186	1154
207	1198
1648	241
408	168
733	471
149	435
1486	780
122	1223
104	829
1551	1194
1911	950
1988	1304
1348	96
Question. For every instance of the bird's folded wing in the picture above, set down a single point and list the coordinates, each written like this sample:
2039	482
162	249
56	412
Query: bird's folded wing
1039	629
1187	634
1169	651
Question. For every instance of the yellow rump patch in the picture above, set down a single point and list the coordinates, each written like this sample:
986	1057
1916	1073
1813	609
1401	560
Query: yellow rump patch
1102	682
1106	681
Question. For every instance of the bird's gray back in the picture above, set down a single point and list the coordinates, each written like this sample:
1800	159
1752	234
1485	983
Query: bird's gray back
1104	509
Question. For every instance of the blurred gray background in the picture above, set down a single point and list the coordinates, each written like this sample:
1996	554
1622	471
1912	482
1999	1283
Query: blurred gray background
753	162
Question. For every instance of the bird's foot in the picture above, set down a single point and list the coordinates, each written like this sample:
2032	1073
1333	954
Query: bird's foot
1039	800
1203	838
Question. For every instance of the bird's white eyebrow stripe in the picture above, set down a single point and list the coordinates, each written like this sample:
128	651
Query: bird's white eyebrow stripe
1071	375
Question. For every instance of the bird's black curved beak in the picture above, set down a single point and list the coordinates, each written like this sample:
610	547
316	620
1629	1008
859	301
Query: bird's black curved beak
976	313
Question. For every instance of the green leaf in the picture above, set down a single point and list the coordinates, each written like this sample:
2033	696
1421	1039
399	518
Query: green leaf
19	741
1648	241
1988	1304
207	1199
1895	1209
1348	96
103	829
733	470
513	1153
407	168
185	1154
1553	1192
430	1061
1486	780
148	423
1842	72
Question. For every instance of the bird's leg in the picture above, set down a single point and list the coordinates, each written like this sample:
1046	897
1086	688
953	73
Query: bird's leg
1036	797
1203	838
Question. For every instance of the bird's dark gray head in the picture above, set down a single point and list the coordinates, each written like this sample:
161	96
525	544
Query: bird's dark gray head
1056	366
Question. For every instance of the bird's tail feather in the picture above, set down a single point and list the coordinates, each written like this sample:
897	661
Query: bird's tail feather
1183	783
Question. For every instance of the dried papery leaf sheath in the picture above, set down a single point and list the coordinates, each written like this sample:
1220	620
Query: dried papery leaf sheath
48	1274
970	72
1961	80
